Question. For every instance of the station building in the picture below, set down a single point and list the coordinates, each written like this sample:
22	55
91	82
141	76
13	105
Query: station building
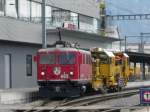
21	34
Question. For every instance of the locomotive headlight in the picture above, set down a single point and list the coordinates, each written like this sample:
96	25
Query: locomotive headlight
42	73
57	70
71	73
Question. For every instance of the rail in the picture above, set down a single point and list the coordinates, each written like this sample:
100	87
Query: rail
89	100
66	105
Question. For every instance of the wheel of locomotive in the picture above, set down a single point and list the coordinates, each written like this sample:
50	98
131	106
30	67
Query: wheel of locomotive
83	90
119	88
112	89
89	89
104	90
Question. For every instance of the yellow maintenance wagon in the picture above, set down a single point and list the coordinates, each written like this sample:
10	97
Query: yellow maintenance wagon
110	70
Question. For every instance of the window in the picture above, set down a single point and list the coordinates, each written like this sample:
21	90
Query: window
74	18
24	9
104	59
11	8
59	16
47	59
90	59
48	11
67	58
95	25
83	59
1	7
29	65
36	11
86	57
86	23
48	14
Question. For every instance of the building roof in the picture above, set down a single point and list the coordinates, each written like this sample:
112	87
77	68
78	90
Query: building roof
139	57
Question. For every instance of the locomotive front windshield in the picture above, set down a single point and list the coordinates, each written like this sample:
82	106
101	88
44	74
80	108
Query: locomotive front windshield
61	58
103	58
47	58
67	58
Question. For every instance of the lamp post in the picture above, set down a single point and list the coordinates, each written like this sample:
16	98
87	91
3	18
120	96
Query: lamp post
142	44
142	40
44	39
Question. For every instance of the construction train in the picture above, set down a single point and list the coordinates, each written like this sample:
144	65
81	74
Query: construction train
64	71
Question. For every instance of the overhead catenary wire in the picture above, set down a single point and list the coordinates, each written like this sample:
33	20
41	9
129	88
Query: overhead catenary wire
121	8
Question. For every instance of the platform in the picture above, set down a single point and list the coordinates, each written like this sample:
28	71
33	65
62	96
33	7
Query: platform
19	95
137	84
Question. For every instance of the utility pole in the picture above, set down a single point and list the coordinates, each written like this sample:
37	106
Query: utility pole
142	43
44	39
125	43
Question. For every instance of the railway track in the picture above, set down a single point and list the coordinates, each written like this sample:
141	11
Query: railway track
67	104
89	100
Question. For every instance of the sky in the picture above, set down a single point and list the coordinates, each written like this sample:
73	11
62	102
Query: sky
130	27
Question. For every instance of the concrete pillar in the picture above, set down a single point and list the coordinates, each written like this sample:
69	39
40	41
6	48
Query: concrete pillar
144	76
148	71
135	69
143	71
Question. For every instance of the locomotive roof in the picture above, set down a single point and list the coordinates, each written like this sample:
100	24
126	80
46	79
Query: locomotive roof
63	49
125	54
110	54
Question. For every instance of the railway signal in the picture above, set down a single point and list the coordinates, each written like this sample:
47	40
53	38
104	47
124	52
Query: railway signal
145	96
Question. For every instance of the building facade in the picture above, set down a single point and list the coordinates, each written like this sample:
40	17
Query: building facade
21	34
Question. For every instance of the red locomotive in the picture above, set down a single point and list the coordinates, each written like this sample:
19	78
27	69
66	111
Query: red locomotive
63	71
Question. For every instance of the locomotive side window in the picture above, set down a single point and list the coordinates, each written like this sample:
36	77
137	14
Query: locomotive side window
84	58
83	61
47	59
67	58
87	61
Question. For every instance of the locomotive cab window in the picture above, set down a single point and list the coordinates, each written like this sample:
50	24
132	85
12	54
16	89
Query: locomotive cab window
29	65
67	58
104	59
47	59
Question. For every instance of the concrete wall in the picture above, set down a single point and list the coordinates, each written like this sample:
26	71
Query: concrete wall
18	64
85	7
15	30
